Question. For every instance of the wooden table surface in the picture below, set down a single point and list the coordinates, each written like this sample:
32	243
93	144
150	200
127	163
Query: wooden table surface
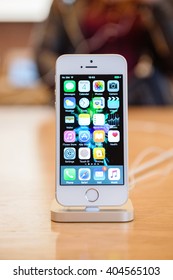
27	179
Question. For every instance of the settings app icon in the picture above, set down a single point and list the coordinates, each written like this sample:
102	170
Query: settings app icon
69	153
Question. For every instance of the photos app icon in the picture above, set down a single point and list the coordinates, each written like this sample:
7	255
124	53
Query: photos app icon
98	86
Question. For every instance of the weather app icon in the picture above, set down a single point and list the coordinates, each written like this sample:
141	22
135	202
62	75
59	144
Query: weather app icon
69	102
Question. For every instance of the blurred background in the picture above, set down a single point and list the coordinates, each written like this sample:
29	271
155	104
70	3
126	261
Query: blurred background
33	33
19	79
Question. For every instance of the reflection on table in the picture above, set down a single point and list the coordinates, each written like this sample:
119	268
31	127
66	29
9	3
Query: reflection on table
27	174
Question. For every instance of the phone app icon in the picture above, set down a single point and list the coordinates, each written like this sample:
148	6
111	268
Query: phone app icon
98	119
69	174
113	86
84	86
69	153
98	86
84	136
114	174
84	174
84	119
69	102
84	102
69	119
99	173
69	86
69	136
99	136
84	153
113	102
98	102
113	136
99	153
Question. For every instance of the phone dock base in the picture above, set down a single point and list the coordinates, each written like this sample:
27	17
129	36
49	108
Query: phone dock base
61	214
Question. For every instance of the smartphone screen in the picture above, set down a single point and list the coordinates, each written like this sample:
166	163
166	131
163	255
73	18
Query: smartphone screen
91	130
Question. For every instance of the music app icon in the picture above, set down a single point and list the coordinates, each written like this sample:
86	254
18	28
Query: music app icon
114	174
69	136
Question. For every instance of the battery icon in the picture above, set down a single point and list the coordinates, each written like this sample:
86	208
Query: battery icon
116	77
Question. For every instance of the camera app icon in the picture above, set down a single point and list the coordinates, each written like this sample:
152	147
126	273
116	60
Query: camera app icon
113	86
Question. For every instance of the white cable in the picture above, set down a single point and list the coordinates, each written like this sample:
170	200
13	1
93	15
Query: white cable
161	172
153	162
145	153
139	159
150	127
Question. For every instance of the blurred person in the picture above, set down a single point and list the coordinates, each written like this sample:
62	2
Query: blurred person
140	30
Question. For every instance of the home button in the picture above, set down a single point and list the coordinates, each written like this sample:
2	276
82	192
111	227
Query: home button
91	195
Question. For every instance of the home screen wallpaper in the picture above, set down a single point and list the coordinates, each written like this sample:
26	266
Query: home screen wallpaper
91	130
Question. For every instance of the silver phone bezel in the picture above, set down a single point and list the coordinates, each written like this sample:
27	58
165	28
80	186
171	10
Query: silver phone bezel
75	195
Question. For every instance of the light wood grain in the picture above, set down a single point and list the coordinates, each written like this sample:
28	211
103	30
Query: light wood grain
27	160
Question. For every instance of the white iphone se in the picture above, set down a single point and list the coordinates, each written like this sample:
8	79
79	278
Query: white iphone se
91	130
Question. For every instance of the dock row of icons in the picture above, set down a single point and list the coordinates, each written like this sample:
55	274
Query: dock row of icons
85	86
98	174
98	102
84	136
